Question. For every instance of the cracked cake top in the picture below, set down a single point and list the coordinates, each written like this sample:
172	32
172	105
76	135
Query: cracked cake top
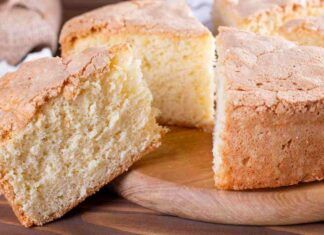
265	71
23	92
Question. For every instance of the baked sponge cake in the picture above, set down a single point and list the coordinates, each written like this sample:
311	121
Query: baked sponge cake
306	31
269	125
176	50
263	16
69	127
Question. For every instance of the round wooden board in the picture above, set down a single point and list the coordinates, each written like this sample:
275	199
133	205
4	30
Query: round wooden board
177	179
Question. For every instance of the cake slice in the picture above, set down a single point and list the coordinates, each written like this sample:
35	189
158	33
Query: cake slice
69	127
176	50
306	31
270	112
263	16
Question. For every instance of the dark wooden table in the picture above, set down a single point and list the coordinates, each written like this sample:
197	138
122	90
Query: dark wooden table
106	213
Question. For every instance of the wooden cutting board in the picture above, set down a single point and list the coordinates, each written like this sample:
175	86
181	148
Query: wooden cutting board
177	179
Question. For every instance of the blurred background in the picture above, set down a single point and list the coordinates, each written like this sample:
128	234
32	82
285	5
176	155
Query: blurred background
25	36
76	7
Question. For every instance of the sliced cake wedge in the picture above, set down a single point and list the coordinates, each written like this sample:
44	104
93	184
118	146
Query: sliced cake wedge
69	127
270	112
176	50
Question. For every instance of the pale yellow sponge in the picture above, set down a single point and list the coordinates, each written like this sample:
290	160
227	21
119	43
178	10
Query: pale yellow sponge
263	16
176	50
69	127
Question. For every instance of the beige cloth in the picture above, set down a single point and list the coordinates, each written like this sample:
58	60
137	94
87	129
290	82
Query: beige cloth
26	25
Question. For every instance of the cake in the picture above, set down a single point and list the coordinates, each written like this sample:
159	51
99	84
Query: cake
68	127
176	50
263	16
306	31
269	128
27	26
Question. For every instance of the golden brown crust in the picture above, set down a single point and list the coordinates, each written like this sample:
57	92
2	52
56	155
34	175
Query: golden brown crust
261	151
274	112
138	16
28	222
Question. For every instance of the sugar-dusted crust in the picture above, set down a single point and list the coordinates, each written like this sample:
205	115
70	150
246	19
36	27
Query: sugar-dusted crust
273	132
306	31
23	92
165	17
29	222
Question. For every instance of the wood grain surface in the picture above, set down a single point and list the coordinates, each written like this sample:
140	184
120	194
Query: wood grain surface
177	179
106	213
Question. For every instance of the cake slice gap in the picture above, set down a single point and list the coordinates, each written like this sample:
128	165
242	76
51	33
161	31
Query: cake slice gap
177	53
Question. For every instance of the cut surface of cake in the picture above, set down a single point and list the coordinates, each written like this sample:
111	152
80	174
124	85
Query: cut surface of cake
263	16
306	31
69	127
176	50
270	112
